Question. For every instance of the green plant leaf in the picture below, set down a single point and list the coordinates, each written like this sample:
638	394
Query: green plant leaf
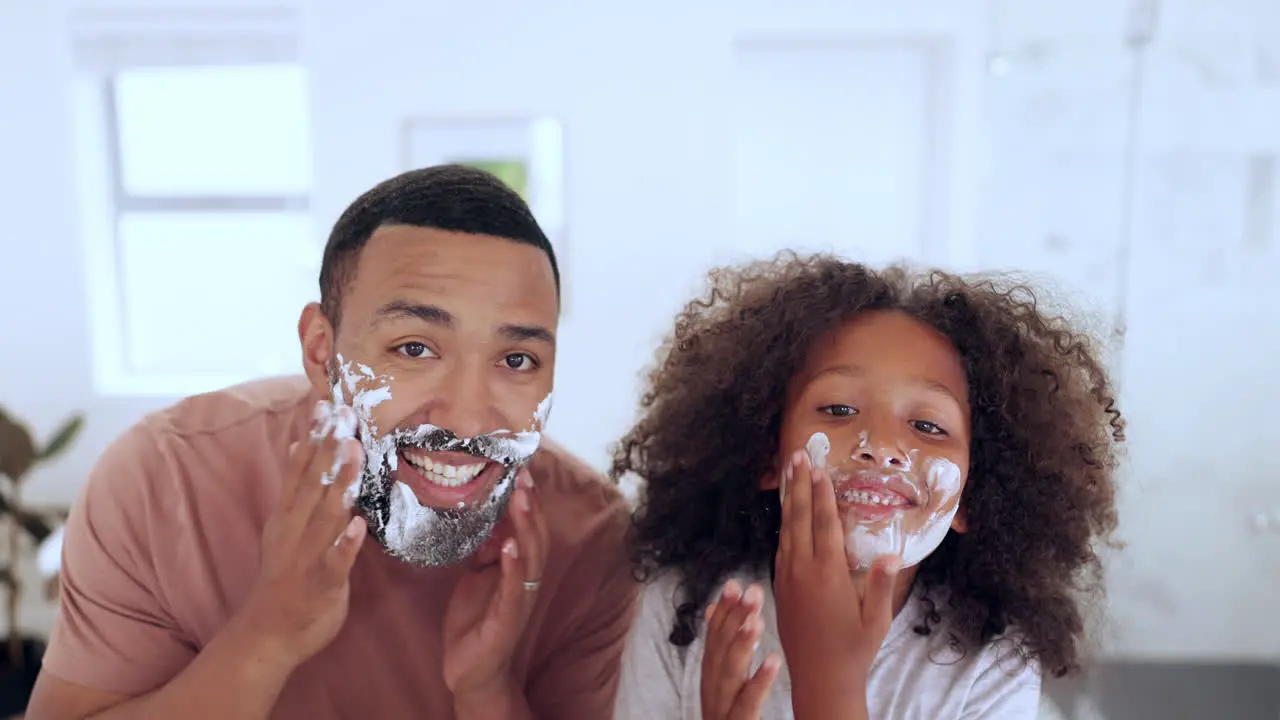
33	524
63	438
17	449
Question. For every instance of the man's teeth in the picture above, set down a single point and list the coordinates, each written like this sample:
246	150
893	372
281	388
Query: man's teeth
871	497
442	474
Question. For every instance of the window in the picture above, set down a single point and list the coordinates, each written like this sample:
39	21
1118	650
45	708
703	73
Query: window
200	243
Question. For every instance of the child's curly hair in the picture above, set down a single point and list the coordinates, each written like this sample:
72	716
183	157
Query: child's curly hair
1046	436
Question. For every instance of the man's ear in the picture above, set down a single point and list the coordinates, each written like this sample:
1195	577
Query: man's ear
316	335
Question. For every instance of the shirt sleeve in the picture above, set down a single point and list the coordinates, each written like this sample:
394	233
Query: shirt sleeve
652	668
1007	690
112	632
580	677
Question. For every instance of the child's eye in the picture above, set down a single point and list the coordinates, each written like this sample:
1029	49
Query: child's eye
839	410
927	427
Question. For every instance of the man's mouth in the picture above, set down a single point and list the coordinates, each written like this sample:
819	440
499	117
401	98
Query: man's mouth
446	479
444	474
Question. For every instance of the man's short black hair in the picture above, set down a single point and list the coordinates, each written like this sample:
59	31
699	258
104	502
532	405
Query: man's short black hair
456	198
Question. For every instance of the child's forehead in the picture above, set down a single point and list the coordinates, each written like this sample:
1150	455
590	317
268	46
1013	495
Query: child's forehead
886	342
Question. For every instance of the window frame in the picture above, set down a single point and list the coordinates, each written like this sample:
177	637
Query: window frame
106	45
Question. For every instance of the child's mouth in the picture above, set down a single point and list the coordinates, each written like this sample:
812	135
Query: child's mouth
875	497
869	495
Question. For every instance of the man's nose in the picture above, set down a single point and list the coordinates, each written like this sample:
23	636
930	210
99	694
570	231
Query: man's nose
464	403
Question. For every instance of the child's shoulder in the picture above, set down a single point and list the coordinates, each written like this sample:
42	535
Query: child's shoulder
660	596
945	671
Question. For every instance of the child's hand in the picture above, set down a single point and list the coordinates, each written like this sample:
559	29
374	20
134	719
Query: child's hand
733	630
831	624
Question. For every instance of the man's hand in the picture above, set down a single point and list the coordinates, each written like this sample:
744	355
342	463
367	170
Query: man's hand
733	632
831	624
489	608
309	543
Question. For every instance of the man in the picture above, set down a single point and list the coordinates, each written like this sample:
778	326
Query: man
217	563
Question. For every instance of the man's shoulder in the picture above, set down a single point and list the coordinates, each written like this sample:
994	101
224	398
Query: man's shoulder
282	399
220	432
579	500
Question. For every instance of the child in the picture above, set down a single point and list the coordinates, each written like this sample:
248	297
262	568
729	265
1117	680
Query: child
902	480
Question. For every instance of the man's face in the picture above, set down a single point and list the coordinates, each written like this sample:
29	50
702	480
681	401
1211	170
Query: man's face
446	349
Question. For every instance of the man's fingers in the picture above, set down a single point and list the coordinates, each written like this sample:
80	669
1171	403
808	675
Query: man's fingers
828	532
331	511
301	454
503	615
339	558
530	533
750	700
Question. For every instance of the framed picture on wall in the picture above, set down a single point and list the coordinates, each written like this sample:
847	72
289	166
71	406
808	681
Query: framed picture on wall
526	153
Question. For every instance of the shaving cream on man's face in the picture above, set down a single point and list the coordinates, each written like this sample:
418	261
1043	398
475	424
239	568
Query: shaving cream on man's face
901	509
430	497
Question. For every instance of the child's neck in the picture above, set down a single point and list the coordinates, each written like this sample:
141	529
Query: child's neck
902	589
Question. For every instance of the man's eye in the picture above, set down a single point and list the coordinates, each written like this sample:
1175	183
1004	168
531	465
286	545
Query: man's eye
927	427
415	350
839	410
520	362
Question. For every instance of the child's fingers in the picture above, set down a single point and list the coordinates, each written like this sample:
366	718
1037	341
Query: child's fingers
750	701
798	522
784	525
733	617
737	659
828	533
729	597
877	599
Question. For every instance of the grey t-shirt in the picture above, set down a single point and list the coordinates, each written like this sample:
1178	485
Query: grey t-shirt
913	676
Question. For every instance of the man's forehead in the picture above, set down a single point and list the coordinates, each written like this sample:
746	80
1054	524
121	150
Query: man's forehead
476	278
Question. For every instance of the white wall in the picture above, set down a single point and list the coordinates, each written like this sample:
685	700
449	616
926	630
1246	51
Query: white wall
643	91
643	101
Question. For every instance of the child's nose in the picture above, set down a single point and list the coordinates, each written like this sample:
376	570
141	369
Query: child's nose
881	455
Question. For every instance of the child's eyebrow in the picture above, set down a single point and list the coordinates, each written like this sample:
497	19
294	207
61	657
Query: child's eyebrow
925	383
937	387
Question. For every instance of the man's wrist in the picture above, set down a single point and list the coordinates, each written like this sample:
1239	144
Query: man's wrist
264	653
497	702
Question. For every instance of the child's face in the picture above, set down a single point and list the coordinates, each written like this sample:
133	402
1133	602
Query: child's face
889	394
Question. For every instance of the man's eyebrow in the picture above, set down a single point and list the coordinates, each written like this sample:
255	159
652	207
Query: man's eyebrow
398	309
522	333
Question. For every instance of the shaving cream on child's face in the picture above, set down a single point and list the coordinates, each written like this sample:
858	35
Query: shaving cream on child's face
399	459
891	509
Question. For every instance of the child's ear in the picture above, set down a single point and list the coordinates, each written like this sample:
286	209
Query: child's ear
960	523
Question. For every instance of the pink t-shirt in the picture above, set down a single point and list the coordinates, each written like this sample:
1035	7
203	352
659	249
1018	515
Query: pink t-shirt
162	548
